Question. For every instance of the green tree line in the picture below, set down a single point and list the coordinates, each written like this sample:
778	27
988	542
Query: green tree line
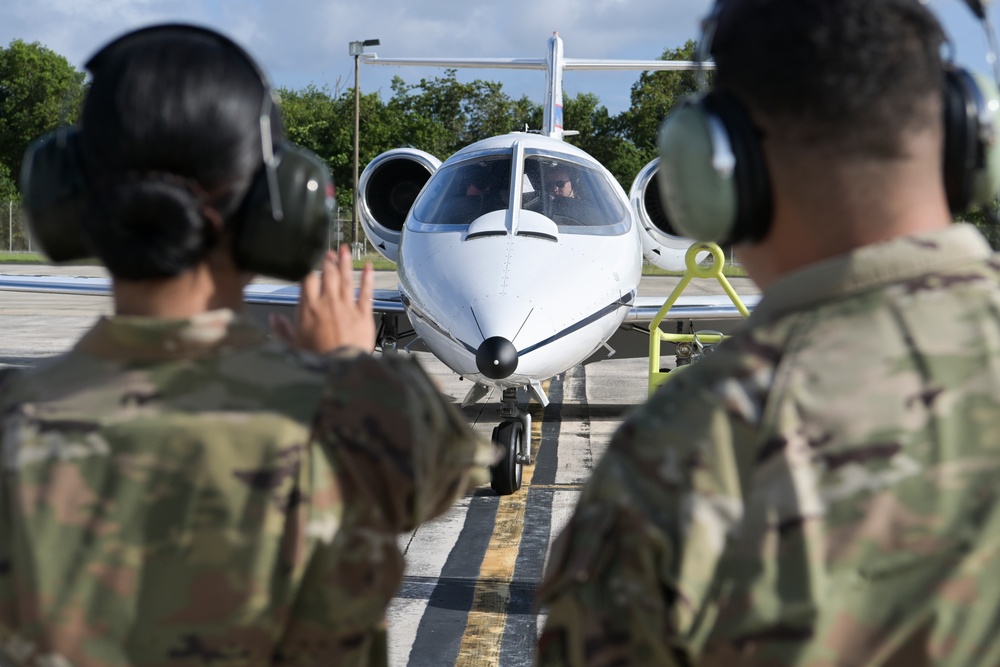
40	91
441	115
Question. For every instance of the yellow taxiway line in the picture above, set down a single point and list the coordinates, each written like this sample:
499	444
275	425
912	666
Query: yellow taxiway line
484	629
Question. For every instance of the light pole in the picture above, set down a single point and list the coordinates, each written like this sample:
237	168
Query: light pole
356	49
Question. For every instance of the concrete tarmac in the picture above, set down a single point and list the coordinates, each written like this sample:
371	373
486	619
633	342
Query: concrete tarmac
468	594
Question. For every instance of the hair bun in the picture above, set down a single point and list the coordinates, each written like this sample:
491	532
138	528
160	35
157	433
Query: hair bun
153	226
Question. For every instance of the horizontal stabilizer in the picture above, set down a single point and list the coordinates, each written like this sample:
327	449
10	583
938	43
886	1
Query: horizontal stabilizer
478	63
554	64
593	65
575	64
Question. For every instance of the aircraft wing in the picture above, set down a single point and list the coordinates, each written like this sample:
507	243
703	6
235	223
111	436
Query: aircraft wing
385	301
693	308
257	294
56	285
688	308
689	314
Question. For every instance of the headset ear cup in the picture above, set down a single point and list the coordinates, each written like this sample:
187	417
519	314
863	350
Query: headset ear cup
54	192
986	183
285	238
712	176
971	159
960	133
698	193
753	182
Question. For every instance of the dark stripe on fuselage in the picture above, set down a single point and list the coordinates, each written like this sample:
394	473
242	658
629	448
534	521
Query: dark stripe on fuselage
590	319
434	325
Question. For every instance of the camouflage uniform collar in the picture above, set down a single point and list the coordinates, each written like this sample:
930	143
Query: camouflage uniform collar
154	338
873	266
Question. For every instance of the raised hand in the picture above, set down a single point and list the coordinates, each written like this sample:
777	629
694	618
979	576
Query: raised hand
329	316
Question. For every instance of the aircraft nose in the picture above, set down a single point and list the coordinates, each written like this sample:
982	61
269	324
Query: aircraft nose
496	358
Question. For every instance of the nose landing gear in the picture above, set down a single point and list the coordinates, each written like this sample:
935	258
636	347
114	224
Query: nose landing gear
513	435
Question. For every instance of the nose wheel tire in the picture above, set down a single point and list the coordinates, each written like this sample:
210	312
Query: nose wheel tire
505	476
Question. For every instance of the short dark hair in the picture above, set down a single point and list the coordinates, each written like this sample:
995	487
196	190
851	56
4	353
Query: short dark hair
170	127
857	75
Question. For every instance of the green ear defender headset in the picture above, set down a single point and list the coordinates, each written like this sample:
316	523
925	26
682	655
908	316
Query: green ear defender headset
281	225
713	178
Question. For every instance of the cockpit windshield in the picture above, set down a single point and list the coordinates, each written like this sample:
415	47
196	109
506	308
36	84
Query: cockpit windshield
578	197
571	194
462	192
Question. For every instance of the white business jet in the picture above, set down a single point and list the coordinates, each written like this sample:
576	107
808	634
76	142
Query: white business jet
518	257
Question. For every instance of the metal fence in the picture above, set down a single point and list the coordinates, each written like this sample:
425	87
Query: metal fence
14	237
13	232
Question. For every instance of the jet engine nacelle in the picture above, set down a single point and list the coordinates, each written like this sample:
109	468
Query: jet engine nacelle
661	244
386	191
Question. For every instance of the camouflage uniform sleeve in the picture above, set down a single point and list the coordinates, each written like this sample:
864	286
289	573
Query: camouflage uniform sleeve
402	454
7	597
631	577
397	441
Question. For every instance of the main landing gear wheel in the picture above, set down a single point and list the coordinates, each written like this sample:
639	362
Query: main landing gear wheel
505	476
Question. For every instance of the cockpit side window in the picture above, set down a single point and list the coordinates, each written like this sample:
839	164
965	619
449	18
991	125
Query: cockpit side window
571	194
460	193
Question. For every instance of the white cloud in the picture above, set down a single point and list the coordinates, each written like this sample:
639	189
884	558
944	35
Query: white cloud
77	28
303	41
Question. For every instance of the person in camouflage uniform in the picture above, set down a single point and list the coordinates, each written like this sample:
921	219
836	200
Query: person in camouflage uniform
823	489
182	488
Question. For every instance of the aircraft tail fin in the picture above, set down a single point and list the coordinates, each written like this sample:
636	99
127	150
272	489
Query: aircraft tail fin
554	64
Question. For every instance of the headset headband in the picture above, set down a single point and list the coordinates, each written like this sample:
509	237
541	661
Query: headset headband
710	26
267	148
94	63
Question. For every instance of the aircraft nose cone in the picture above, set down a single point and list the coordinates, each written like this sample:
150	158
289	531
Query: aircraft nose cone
496	358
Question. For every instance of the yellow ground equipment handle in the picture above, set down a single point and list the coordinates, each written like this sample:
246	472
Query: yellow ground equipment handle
693	270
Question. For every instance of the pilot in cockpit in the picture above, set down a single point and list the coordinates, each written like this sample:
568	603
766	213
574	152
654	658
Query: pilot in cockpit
559	183
558	196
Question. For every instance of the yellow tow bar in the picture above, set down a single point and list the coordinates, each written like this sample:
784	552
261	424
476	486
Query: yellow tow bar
692	270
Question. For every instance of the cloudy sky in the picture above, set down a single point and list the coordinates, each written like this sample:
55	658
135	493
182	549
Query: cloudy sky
306	41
